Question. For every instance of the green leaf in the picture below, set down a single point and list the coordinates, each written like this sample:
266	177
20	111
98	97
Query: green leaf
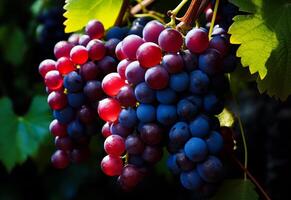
226	118
265	43
237	189
79	12
254	36
21	136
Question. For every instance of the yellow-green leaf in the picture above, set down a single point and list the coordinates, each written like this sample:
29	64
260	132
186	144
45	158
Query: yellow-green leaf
257	42
79	12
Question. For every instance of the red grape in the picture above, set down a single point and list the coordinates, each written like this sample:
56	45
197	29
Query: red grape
112	83
57	100
109	109
96	49
65	65
170	40
79	54
121	67
149	54
60	159
152	31
114	145
118	51
53	80
106	130
157	78
197	40
112	165
58	129
95	29
130	44
62	49
46	66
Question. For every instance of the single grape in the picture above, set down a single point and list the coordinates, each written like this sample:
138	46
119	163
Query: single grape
211	170
144	94
79	54
179	82
107	65
170	40
200	127
157	78
58	129
106	130
134	145
214	143
96	49
62	49
64	143
57	100
74	38
190	61
93	91
152	154
186	109
126	96
114	145
90	71
75	129
134	73
183	162
146	113
60	159
117	129
149	54
173	63
76	100
151	134
53	80
197	40
46	66
199	82
84	40
86	114
152	31
112	165
119	52
64	65
179	133
172	165
116	32
121	68
166	114
112	83
130	44
220	44
95	29
110	46
210	62
130	177
136	29
109	109
73	82
127	117
65	115
196	149
166	96
191	180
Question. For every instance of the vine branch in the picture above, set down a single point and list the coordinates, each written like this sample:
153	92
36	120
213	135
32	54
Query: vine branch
124	6
252	178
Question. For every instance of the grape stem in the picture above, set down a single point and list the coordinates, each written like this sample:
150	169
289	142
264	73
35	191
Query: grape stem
195	9
173	13
242	132
213	18
122	12
152	15
252	178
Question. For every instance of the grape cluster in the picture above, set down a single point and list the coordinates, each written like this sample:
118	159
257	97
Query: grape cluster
163	87
73	82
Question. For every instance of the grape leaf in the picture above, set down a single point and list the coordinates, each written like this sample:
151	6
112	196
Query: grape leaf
226	118
79	12
20	137
265	43
237	189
